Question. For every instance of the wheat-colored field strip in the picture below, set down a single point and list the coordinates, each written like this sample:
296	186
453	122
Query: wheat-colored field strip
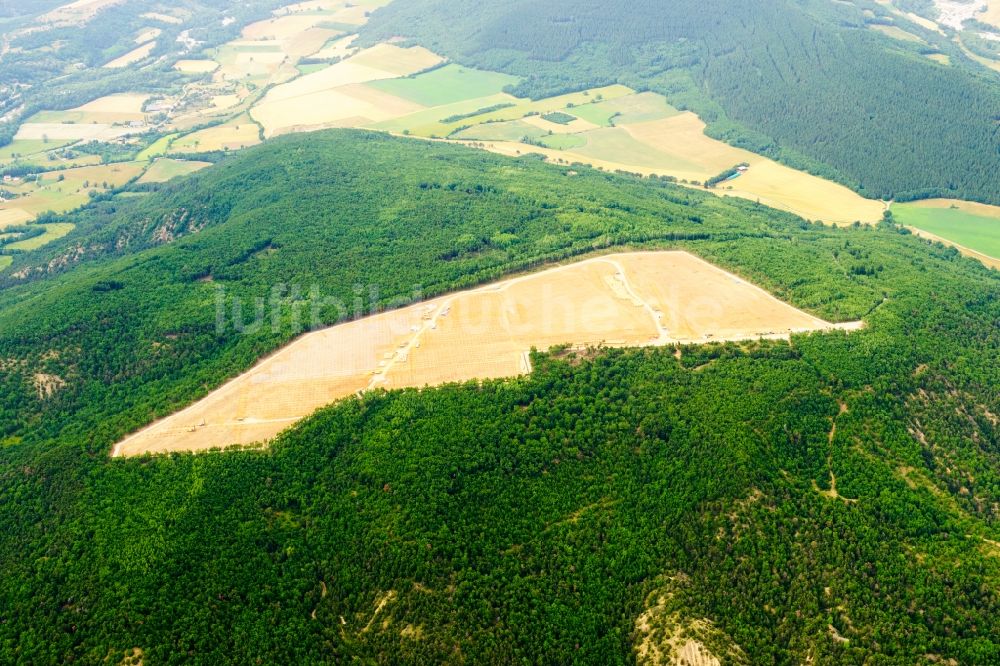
77	13
91	120
165	168
992	13
341	48
624	299
133	56
331	98
678	146
196	66
163	18
70	131
66	189
238	133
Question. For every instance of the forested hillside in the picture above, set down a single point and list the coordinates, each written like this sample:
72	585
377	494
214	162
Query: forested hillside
832	500
805	82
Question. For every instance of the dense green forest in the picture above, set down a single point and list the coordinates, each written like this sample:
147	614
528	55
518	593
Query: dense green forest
832	500
804	82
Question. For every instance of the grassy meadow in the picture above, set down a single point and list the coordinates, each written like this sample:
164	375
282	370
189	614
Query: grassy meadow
976	227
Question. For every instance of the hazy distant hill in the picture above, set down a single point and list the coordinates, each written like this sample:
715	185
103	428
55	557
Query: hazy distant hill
808	82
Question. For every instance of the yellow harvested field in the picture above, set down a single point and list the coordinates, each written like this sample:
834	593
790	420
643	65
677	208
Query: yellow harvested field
896	33
296	35
148	34
328	98
108	110
65	131
132	56
339	49
225	101
283	27
352	105
991	14
578	125
678	146
196	66
12	217
923	22
354	15
308	42
625	299
49	193
396	61
238	133
683	137
165	18
263	59
78	12
519	111
113	108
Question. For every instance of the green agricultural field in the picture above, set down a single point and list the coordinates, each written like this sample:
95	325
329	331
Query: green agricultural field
24	148
309	69
976	232
446	85
165	168
563	141
5	261
511	130
52	232
616	145
157	148
431	122
638	108
525	107
428	121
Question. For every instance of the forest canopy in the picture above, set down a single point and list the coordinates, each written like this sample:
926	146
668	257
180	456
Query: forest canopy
808	83
831	499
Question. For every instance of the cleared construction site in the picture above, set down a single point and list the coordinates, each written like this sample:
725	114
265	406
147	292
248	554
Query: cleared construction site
627	299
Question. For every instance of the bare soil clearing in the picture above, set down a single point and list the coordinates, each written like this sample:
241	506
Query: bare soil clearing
625	299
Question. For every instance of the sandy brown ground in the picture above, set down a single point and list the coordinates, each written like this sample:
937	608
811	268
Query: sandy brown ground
625	299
